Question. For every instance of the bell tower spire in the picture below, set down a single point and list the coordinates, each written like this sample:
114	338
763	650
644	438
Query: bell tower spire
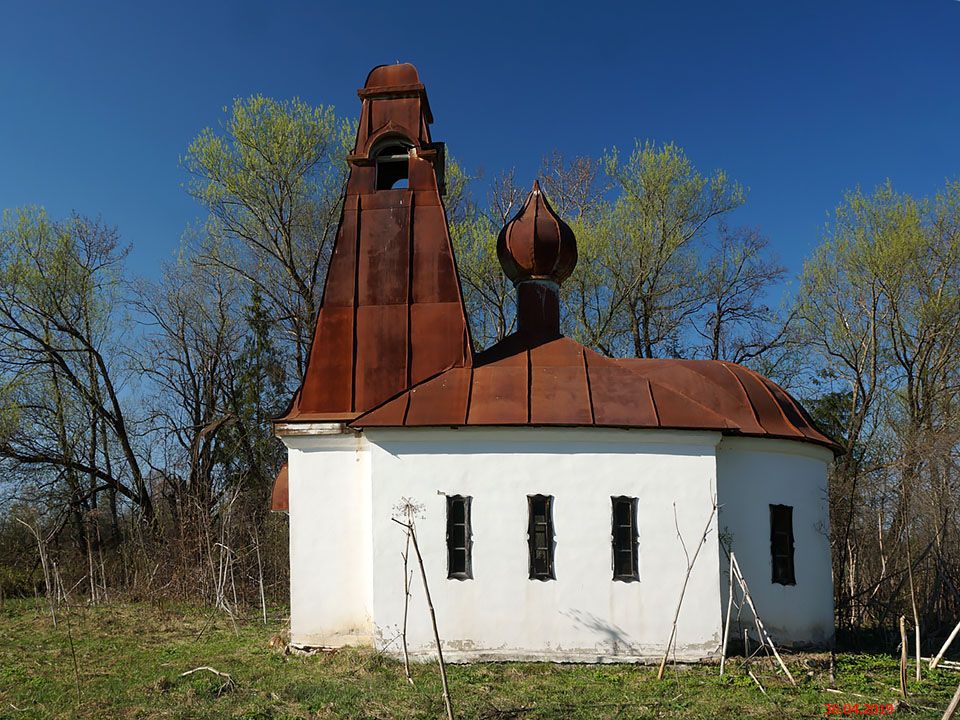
392	312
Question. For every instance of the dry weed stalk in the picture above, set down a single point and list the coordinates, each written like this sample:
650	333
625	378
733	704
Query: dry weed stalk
686	579
45	565
228	682
409	510
407	580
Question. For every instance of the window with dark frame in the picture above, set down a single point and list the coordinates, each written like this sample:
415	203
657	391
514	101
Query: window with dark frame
781	544
393	167
540	537
459	540
625	566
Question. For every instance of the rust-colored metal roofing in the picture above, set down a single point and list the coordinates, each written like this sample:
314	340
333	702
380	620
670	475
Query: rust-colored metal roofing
392	348
560	382
391	314
537	243
280	498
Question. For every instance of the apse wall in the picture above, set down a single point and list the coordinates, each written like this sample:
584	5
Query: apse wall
752	475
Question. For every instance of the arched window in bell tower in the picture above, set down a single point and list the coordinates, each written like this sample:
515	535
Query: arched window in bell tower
392	161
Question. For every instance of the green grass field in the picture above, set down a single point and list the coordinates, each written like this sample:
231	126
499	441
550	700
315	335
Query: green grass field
129	660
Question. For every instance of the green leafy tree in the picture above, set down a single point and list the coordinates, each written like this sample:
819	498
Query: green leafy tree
880	308
633	293
272	178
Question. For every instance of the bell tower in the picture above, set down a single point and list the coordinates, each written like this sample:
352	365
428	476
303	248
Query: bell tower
392	312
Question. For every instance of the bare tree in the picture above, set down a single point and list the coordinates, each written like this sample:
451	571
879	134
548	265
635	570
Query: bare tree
736	322
59	283
487	292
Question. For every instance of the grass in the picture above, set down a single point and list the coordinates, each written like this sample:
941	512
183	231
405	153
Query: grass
129	659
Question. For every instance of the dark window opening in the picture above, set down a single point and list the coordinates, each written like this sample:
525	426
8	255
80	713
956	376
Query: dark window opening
393	167
781	544
459	538
540	537
625	539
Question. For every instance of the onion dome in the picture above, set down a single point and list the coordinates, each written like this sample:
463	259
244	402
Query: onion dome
536	244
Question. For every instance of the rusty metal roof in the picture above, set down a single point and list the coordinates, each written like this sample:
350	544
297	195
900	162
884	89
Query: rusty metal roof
537	243
560	382
392	346
391	314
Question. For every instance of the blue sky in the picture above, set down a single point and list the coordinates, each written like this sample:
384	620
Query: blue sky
798	101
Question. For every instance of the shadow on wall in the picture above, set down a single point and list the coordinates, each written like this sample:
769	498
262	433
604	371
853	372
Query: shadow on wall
611	637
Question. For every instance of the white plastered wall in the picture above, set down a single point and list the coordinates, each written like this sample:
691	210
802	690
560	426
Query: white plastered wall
583	614
330	539
753	474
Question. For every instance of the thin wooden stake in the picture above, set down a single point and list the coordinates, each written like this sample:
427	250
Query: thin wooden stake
952	707
904	649
726	624
913	603
90	563
754	678
764	635
939	656
263	595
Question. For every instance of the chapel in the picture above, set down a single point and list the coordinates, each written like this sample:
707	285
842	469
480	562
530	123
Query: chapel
559	493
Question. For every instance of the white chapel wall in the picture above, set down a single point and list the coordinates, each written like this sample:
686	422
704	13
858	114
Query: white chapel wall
501	613
330	540
754	473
